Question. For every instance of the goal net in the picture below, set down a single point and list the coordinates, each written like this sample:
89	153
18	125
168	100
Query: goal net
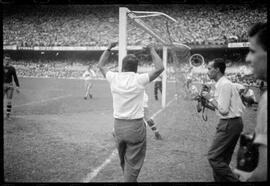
159	28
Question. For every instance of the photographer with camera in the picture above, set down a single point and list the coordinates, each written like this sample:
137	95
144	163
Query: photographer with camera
257	56
229	108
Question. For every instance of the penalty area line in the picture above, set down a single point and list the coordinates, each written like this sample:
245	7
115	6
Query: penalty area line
42	101
90	176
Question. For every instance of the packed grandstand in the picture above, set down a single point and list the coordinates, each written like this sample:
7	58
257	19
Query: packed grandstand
89	25
92	25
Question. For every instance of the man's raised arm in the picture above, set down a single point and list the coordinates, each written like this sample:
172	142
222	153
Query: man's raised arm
159	68
104	59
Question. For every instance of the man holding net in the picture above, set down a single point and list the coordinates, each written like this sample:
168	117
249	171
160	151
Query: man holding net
127	88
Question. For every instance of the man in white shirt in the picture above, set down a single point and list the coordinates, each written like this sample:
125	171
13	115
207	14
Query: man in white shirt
229	108
257	56
87	81
127	88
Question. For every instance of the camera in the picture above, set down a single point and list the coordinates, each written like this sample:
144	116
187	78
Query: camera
203	103
248	153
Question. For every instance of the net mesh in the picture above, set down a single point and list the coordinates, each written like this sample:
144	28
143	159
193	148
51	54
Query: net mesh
169	32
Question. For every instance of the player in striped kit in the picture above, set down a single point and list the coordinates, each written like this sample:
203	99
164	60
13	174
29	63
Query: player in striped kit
148	120
87	81
9	76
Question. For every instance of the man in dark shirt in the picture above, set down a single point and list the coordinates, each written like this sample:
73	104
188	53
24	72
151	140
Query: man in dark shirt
9	76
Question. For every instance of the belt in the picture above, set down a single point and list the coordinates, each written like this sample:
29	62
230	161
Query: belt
129	119
229	118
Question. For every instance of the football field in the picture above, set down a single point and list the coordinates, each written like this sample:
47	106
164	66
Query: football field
54	135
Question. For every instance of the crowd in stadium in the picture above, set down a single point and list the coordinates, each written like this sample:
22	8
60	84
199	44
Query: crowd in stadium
95	26
75	71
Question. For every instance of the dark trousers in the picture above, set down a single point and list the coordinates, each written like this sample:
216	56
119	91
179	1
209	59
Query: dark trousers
158	86
222	148
130	138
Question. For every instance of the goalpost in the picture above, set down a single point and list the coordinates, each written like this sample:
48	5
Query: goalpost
124	13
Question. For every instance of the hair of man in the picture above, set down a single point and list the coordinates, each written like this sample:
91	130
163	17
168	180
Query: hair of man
260	31
130	63
219	63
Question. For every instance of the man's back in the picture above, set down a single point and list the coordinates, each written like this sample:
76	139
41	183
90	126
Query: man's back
127	90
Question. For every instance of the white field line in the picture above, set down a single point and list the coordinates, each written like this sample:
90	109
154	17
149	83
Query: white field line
90	176
42	101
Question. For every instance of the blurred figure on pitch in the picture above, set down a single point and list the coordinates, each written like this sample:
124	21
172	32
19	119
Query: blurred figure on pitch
262	87
10	75
148	120
229	108
248	96
87	76
194	92
157	86
127	88
188	82
246	93
189	76
257	56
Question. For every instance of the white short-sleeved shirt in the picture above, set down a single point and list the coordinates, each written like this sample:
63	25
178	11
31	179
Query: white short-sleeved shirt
261	127
87	74
127	90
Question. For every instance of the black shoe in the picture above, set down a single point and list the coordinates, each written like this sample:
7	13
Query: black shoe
90	96
158	136
85	98
8	117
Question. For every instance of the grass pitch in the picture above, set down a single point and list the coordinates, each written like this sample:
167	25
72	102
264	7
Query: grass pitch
57	136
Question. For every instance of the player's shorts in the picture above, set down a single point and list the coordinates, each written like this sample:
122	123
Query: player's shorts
87	83
8	90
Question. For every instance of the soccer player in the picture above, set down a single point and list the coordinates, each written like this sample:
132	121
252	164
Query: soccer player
10	75
157	86
189	76
148	120
87	81
188	81
248	96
